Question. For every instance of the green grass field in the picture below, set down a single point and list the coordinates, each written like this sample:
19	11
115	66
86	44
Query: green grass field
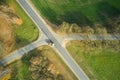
82	12
101	63
27	32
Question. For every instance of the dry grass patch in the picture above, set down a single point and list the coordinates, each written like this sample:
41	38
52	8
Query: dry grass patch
7	40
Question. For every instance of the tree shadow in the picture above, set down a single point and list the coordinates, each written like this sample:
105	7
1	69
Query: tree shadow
26	57
76	17
2	2
106	14
69	16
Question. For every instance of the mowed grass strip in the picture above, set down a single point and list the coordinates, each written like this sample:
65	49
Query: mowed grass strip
82	12
27	32
98	63
20	68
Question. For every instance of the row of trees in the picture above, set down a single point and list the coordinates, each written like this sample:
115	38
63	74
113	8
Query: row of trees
74	28
112	25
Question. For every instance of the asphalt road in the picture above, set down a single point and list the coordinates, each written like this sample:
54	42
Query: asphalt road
17	54
62	51
92	37
56	39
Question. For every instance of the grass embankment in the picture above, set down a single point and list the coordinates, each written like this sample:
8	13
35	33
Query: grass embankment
21	68
27	31
78	11
99	59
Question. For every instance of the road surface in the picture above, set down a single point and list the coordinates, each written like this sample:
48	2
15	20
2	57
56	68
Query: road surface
62	52
93	37
17	54
55	38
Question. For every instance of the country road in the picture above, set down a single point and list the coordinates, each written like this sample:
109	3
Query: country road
57	40
93	37
17	54
62	52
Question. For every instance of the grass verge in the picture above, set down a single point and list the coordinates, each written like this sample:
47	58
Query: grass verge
27	31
